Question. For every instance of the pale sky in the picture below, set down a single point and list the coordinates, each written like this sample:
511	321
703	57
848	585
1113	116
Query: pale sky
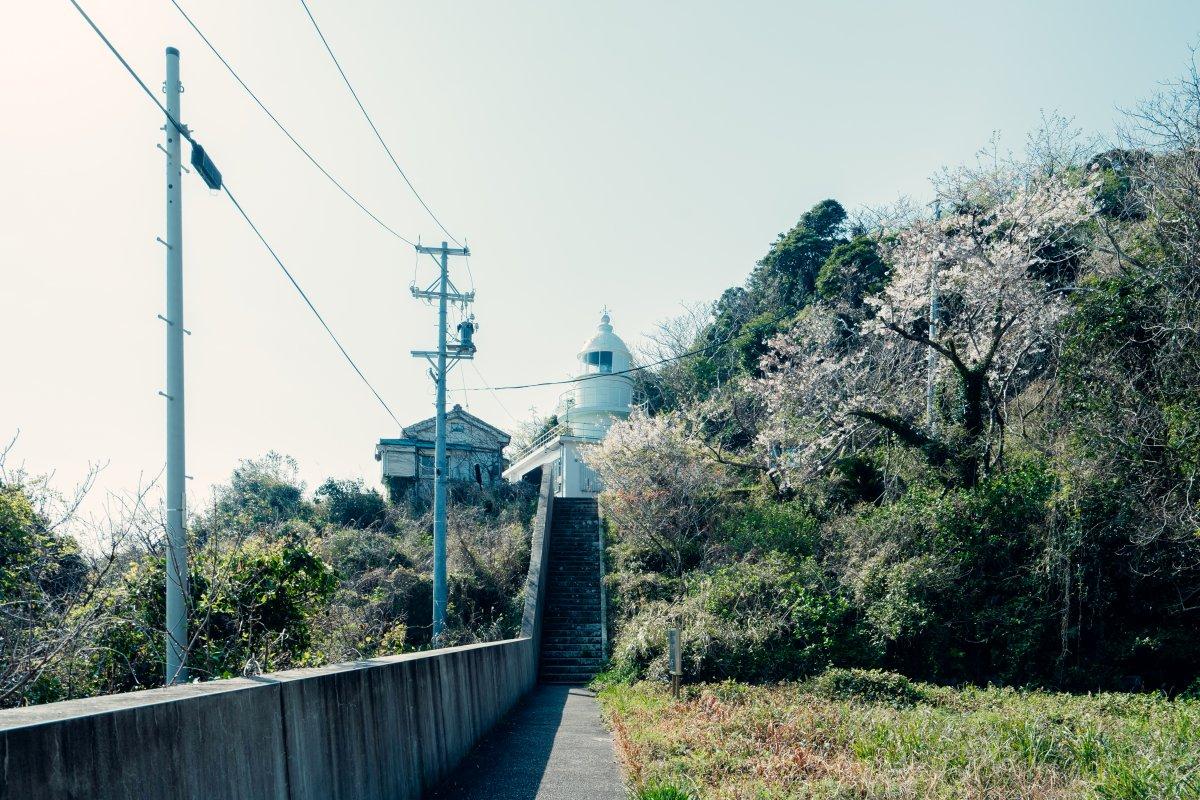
639	155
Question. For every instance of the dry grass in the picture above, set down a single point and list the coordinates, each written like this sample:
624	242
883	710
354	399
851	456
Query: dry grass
788	741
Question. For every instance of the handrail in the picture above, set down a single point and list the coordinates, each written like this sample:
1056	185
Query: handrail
541	440
578	430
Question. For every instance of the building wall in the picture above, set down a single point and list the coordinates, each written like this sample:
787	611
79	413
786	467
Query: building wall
575	478
468	446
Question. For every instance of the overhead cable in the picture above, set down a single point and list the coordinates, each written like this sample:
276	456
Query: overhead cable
153	98
594	375
184	133
374	128
286	132
308	302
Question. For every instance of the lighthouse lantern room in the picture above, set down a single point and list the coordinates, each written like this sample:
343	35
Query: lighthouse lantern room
601	392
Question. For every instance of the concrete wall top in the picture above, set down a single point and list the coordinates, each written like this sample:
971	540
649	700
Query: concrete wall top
385	729
68	709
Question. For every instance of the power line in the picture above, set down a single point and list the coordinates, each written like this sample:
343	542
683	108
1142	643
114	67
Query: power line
183	132
285	131
595	375
308	302
371	122
493	391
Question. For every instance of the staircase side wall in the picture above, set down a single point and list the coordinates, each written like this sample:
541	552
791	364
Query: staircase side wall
373	730
537	579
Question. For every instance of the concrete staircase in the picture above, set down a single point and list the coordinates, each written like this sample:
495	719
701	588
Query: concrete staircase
572	650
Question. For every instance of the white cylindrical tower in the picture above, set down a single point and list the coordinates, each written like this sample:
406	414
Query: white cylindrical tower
603	389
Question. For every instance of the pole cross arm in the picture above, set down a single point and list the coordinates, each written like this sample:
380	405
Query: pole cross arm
450	354
450	251
453	297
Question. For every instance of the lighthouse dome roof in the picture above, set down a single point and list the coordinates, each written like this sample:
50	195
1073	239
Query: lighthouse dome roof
604	340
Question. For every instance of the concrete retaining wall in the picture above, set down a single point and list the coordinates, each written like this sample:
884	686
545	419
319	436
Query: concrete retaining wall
539	561
384	729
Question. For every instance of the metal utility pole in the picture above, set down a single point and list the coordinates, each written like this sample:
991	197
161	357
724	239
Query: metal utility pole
444	291
176	550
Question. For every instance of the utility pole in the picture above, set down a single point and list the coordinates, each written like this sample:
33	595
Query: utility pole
176	550
444	291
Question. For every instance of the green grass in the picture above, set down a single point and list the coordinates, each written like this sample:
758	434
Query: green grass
869	735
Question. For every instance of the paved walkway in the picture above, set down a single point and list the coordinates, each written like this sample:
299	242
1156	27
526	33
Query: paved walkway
552	746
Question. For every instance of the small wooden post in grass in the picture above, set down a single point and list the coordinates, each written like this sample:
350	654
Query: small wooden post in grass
675	657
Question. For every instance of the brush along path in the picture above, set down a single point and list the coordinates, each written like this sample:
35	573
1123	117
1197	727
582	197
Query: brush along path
821	741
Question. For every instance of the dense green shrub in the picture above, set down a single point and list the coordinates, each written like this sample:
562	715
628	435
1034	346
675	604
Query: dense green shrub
763	617
762	526
869	686
947	581
348	503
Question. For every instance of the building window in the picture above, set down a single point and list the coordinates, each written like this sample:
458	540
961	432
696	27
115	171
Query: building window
601	360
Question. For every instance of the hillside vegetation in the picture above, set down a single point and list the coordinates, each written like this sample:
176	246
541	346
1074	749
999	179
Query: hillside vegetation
279	578
1003	491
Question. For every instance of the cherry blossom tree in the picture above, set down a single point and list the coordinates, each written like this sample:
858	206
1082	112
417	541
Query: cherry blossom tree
659	488
1003	259
824	384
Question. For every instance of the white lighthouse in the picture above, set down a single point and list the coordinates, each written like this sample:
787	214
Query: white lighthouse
601	392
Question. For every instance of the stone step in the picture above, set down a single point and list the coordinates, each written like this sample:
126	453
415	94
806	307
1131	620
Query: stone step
590	667
560	629
580	628
567	679
569	675
571	645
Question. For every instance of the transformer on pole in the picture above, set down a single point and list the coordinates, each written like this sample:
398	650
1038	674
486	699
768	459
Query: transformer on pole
441	360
